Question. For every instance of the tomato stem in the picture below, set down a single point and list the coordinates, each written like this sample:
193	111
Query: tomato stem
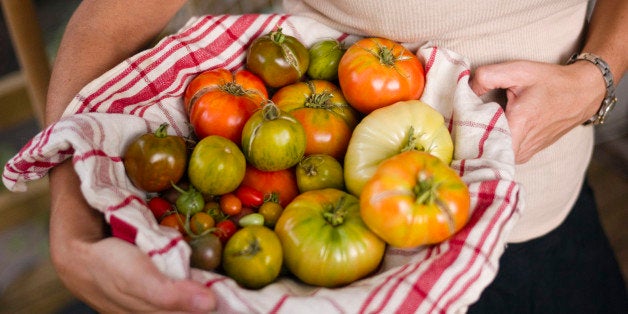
251	249
425	189
277	36
270	111
335	213
412	142
162	130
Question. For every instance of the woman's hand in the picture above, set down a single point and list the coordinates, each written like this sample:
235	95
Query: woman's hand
109	274
544	101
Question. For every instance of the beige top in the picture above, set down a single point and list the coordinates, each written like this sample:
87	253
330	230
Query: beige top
488	31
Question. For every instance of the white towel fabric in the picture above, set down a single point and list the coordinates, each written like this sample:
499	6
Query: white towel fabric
144	91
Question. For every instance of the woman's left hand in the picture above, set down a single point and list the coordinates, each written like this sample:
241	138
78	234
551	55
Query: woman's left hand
544	101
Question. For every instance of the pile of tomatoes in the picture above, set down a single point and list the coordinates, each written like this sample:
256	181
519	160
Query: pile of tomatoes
310	160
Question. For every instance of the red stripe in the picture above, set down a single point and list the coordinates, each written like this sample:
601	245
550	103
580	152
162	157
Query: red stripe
125	202
96	153
492	246
430	62
167	248
279	304
122	230
487	133
427	280
398	277
463	74
141	58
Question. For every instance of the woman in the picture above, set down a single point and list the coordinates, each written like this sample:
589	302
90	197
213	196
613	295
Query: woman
552	152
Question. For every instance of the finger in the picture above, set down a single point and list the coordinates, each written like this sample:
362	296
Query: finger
498	76
142	283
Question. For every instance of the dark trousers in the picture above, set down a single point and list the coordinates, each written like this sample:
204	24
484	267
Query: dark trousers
570	270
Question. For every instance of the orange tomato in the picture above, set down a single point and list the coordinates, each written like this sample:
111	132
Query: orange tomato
377	72
414	199
326	116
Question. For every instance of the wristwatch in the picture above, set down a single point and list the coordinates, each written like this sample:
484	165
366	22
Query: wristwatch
609	100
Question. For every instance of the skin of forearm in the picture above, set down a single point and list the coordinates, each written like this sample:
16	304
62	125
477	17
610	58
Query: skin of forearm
99	35
607	36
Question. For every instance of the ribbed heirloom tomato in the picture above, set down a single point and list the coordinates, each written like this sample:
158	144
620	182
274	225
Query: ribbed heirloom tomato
376	72
414	199
406	125
325	242
326	116
219	102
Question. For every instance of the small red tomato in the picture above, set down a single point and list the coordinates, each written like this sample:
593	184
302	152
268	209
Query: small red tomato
201	223
159	206
230	204
250	196
176	221
225	229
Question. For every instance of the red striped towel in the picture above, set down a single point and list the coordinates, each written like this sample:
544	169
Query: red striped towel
142	92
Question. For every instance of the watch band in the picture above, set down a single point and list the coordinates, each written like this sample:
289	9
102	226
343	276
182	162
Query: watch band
609	99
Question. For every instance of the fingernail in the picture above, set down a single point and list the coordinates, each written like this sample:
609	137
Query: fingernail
203	302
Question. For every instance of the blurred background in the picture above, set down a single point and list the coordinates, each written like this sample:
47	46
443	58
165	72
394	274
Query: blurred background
30	31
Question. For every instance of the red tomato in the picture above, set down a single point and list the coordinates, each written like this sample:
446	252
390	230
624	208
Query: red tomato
282	182
230	204
225	229
324	113
219	102
176	221
159	206
250	197
414	199
377	72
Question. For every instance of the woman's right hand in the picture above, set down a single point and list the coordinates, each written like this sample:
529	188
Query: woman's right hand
107	273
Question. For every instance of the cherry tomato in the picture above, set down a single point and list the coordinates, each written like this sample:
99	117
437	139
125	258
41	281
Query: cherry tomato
159	206
219	102
154	160
326	117
282	182
316	172
277	58
249	196
201	223
377	72
271	210
324	58
206	252
230	204
176	221
189	202
225	229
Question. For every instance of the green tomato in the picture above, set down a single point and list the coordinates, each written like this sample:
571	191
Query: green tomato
278	59
319	171
253	257
252	219
272	139
324	240
324	58
216	166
